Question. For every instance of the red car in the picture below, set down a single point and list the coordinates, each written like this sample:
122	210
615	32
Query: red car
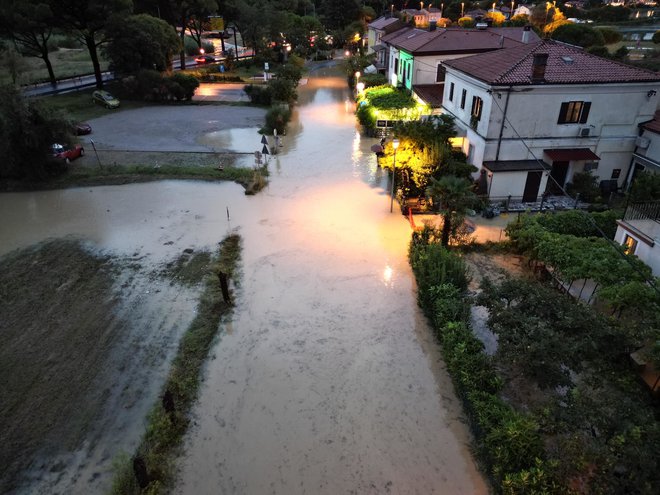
67	153
205	59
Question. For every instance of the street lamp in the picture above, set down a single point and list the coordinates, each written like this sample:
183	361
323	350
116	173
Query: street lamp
462	9
395	145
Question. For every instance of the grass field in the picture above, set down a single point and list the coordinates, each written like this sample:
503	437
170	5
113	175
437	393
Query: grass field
66	63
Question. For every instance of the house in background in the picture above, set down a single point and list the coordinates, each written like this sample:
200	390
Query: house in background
536	114
646	157
418	16
375	32
639	233
416	55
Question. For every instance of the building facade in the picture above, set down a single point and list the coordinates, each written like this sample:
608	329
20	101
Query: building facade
536	114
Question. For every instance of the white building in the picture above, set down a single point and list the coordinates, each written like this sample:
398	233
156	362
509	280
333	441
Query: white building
639	233
646	157
375	32
416	55
536	114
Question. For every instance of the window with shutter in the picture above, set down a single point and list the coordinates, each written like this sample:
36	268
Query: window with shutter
574	112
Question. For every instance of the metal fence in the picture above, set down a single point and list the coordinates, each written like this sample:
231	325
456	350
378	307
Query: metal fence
649	210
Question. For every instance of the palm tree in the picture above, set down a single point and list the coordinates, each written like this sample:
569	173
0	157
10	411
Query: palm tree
454	196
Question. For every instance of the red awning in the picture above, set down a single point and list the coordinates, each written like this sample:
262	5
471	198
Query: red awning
568	154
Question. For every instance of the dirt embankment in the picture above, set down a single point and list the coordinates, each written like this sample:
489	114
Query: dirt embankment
86	340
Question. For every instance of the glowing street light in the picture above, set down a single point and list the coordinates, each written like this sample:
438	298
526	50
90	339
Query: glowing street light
462	9
395	145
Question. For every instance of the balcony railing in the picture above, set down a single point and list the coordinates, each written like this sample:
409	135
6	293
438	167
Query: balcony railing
648	210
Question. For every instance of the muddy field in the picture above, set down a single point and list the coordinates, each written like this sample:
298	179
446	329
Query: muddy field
85	342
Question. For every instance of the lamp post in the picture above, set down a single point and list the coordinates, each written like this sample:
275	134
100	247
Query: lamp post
462	9
395	145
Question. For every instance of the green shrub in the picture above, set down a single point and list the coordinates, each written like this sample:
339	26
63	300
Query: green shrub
283	90
191	47
372	80
208	47
646	187
188	84
290	72
259	94
27	130
514	444
277	118
435	265
151	85
599	51
540	479
610	35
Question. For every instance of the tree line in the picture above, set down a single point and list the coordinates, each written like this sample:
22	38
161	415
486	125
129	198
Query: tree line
148	33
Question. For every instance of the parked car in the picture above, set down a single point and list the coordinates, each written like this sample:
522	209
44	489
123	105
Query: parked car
104	98
67	153
83	128
205	59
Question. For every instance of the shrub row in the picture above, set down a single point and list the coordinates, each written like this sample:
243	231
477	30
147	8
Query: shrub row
151	85
509	443
282	88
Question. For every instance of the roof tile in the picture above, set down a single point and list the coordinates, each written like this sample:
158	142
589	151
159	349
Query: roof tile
566	64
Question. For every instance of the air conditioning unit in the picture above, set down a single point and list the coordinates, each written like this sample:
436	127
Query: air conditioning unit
642	142
585	131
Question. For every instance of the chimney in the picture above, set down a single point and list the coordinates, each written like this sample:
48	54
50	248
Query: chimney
525	36
538	67
433	25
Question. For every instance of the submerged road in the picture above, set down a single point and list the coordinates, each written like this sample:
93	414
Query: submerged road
327	379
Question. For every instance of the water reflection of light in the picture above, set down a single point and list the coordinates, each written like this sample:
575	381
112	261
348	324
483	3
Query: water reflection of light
387	275
330	115
357	152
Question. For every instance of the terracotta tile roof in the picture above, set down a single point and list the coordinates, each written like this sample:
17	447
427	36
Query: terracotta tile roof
456	40
385	23
566	65
401	34
431	94
515	33
653	125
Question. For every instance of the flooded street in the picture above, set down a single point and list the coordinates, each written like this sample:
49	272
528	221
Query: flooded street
327	380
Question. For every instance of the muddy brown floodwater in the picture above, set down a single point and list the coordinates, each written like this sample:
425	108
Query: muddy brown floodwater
327	379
